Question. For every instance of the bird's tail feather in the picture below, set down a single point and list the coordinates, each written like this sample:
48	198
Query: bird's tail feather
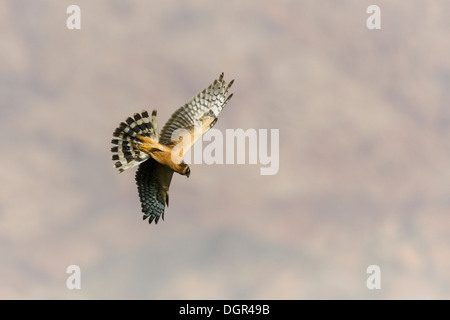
125	152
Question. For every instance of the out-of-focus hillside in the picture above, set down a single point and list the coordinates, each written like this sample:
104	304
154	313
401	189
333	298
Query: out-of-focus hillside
364	155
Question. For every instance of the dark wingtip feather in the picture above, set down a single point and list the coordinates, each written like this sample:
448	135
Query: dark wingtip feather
229	85
228	98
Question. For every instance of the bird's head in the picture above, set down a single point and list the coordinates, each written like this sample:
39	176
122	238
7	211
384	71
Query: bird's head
186	171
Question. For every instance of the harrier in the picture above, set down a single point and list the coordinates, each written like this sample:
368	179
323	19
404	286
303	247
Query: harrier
159	154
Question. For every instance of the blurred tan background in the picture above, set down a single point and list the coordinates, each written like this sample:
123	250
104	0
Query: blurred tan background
364	150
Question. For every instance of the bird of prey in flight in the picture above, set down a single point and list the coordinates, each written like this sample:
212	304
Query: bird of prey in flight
159	154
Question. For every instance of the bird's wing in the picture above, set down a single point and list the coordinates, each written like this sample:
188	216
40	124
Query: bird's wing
153	181
189	122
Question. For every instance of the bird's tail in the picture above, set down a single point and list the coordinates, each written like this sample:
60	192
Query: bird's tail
125	152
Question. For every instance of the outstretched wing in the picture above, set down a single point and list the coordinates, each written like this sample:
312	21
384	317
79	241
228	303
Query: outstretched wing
153	181
189	122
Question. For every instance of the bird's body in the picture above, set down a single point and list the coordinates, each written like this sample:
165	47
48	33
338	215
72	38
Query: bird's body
159	155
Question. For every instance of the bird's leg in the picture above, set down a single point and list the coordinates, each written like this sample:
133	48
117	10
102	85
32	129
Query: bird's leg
151	147
145	139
